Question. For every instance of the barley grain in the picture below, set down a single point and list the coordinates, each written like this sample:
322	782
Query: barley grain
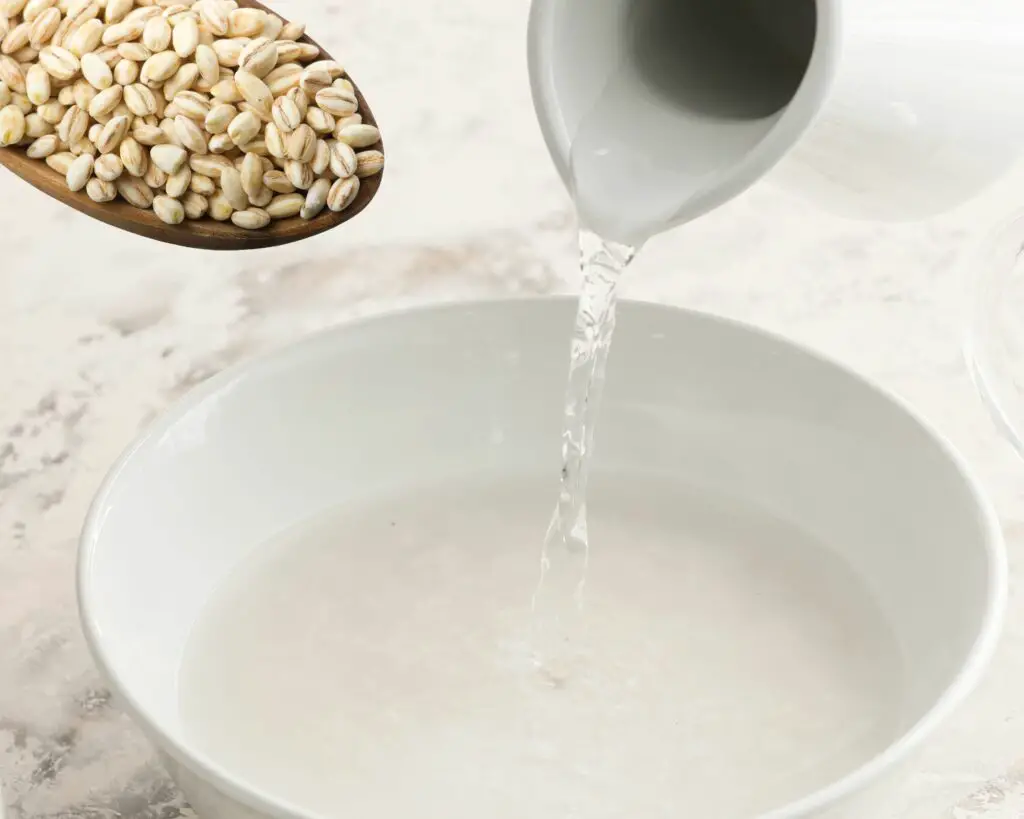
195	204
227	91
126	72
135	52
148	135
43	28
11	74
278	182
229	52
251	174
133	157
316	199
112	134
79	173
135	192
292	31
320	121
254	91
246	22
286	115
37	85
16	38
321	163
106	101
302	144
116	10
216	16
186	37
299	174
123	32
208	165
183	80
344	162
84	94
231	185
221	144
202	184
101	190
11	126
220	117
60	162
168	210
220	207
154	177
33	8
208	64
285	206
259	57
108	167
159	68
193	104
337	102
370	163
97	72
157	34
275	142
74	125
140	99
169	158
358	135
313	82
85	39
43	147
190	134
244	128
272	27
343	194
251	219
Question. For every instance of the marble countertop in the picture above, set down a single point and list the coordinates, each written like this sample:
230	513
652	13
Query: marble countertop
99	331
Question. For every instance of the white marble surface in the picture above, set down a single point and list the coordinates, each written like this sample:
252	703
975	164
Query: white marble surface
99	331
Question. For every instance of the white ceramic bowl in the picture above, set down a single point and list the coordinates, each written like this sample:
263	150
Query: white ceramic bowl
416	394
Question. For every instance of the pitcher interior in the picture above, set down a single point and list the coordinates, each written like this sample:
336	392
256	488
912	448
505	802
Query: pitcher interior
691	86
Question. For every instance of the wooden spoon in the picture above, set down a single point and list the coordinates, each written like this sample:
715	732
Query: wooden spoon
204	233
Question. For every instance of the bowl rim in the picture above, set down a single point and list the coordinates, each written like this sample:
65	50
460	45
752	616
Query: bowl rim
973	667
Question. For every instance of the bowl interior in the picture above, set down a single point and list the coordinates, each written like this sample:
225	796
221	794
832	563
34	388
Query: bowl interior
406	399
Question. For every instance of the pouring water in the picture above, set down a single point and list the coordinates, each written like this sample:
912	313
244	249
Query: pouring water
618	183
658	111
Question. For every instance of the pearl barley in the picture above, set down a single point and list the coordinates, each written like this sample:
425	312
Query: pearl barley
195	110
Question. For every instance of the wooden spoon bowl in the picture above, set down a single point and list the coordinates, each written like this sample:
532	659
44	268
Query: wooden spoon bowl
205	233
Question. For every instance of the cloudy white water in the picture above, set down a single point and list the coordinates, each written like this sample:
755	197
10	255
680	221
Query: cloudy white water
378	660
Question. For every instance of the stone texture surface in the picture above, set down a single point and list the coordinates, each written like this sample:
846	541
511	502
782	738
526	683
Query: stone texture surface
99	331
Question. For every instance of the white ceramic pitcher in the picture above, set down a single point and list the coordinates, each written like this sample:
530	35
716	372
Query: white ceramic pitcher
884	109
